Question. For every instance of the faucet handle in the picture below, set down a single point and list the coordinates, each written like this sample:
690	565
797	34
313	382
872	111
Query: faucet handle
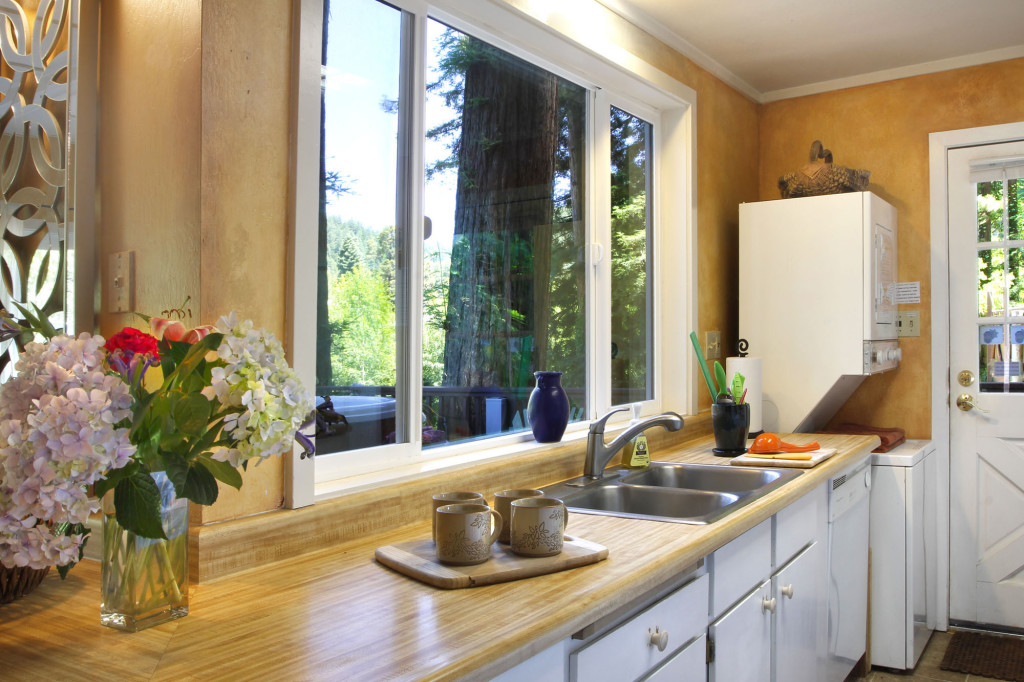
598	426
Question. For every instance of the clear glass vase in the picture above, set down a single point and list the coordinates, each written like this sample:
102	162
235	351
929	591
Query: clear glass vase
144	582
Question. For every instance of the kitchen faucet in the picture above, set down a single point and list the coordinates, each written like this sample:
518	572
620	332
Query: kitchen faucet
600	453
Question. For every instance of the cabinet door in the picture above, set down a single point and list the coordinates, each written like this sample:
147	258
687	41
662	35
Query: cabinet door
742	640
800	607
689	665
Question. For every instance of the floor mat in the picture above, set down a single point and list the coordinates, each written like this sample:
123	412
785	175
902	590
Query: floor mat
975	653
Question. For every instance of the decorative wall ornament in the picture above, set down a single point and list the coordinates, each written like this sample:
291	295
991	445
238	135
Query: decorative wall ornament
40	249
820	176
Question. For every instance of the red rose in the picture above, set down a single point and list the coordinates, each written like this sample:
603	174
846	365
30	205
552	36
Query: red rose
129	342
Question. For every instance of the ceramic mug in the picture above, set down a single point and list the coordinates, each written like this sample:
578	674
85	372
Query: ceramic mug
503	505
464	533
441	499
538	526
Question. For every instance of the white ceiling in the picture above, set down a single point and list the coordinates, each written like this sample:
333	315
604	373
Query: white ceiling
773	49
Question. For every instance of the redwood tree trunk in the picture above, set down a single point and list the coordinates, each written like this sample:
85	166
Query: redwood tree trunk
503	216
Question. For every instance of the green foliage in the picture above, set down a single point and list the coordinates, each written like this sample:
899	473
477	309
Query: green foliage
137	505
364	310
1000	217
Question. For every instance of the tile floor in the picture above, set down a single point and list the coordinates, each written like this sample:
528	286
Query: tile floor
927	669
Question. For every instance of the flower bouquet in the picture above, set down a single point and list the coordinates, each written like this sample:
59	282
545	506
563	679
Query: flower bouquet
149	417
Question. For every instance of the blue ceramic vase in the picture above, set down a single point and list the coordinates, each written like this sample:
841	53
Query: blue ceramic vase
548	409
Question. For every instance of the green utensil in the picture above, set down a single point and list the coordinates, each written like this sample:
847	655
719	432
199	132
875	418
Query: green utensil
737	387
703	365
720	379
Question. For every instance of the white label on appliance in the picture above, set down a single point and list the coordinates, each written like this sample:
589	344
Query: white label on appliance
906	292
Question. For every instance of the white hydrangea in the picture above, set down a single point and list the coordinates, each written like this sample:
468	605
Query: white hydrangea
268	402
58	434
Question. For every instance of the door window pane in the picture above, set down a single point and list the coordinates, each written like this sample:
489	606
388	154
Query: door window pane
990	211
356	328
1015	208
503	265
991	282
631	144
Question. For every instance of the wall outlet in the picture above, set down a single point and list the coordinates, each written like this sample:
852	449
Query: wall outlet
908	323
122	281
712	345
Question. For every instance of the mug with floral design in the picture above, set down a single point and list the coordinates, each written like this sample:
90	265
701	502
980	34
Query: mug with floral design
464	533
538	526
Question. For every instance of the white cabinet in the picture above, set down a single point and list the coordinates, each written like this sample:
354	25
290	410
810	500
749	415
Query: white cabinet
644	641
786	561
549	665
800	594
741	640
686	666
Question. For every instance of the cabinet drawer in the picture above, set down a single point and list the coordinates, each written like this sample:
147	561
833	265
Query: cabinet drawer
626	652
800	524
689	664
739	566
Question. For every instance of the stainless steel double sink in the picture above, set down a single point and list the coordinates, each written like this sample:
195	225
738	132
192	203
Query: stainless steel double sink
669	491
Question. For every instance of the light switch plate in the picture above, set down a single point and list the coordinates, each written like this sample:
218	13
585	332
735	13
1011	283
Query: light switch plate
712	345
908	323
121	281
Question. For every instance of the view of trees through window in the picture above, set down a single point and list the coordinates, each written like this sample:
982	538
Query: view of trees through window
504	277
1000	281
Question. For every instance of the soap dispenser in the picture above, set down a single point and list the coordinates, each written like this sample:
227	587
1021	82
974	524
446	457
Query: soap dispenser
635	454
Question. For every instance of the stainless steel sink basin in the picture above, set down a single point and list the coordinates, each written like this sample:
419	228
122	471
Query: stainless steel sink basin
707	477
637	501
677	493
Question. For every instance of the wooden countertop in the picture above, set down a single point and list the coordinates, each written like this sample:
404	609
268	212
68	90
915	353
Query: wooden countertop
337	614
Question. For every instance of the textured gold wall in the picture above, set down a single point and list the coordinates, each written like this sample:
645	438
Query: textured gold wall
884	128
149	151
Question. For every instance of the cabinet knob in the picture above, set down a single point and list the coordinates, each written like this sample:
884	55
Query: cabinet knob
768	605
659	638
787	591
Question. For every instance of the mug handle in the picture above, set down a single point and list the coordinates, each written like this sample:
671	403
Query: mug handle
498	523
565	518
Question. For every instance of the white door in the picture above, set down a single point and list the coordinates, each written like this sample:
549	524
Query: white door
986	321
742	640
801	595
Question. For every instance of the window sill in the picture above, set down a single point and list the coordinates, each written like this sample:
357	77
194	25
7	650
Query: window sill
464	456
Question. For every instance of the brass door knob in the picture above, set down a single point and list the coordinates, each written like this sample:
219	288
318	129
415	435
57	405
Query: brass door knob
965	402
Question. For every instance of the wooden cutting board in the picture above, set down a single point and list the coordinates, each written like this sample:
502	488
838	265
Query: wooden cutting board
418	559
817	457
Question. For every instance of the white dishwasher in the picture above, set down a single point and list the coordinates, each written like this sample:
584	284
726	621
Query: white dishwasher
848	515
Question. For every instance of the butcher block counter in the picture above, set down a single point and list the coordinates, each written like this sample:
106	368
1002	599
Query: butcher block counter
338	614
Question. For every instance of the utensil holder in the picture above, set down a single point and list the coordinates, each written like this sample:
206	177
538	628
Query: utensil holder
730	423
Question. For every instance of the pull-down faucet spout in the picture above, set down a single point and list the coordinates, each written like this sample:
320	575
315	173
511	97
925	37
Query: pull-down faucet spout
600	453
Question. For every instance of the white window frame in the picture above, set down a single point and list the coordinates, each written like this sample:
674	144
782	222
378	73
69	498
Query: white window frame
580	51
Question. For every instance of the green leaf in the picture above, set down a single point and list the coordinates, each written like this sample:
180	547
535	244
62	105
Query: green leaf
114	476
137	506
222	471
193	480
192	414
197	353
72	529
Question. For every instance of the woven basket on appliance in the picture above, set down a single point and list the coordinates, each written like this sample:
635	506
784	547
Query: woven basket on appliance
821	176
17	582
